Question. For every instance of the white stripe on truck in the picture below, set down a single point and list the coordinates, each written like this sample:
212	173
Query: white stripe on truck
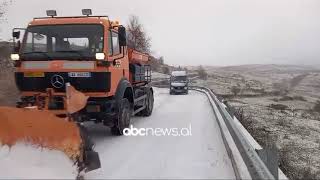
65	65
36	65
78	65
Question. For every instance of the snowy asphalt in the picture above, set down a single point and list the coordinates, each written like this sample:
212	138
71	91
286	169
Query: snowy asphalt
199	156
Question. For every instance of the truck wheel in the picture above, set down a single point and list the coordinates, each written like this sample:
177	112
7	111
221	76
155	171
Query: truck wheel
149	104
123	118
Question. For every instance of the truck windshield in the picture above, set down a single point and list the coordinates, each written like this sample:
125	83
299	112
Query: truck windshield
63	42
179	78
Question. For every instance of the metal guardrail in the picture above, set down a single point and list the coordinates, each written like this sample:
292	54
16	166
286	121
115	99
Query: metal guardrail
253	162
255	165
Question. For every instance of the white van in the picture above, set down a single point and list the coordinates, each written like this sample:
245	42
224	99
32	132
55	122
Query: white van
179	82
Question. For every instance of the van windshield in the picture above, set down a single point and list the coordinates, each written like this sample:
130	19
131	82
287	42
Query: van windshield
63	42
179	78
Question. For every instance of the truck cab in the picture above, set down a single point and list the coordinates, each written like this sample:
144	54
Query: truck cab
91	54
179	82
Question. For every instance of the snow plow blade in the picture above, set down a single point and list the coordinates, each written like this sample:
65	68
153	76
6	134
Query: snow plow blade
44	129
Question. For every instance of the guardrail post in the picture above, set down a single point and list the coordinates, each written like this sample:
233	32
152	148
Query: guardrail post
270	157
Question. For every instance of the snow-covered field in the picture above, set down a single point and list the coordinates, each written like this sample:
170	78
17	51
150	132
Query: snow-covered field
23	161
296	128
156	75
199	156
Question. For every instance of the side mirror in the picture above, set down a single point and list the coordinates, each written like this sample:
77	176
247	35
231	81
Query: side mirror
16	34
17	47
122	36
17	39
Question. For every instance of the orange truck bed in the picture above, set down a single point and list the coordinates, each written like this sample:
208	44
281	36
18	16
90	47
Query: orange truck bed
136	57
140	71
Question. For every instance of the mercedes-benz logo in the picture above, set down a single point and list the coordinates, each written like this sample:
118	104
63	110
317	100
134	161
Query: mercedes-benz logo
57	81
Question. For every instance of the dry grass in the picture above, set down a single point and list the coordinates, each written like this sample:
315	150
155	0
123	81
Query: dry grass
297	158
316	107
288	155
8	90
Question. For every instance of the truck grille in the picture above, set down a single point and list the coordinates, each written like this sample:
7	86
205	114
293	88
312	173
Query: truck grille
98	82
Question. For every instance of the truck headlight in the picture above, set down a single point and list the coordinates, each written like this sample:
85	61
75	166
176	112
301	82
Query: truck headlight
15	57
185	87
100	56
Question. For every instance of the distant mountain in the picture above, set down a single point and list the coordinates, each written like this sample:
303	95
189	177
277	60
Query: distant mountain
265	68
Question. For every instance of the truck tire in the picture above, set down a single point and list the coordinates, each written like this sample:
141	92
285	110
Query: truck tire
149	104
123	118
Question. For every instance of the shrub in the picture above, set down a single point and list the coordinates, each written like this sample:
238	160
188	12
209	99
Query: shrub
299	98
282	121
286	98
166	70
245	118
316	107
281	88
235	90
289	98
280	107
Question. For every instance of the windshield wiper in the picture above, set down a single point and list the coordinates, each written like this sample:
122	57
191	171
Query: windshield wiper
39	52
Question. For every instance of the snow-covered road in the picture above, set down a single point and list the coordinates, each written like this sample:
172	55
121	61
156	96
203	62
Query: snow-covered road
201	155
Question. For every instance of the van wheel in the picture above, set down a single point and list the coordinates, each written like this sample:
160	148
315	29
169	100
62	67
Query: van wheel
122	120
149	104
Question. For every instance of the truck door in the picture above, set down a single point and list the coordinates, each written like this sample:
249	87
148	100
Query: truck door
119	68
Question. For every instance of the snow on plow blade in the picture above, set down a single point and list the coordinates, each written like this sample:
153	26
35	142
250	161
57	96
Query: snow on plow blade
43	128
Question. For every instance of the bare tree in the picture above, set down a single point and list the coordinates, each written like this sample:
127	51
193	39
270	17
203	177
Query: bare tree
2	9
235	90
166	70
3	6
202	73
161	60
136	35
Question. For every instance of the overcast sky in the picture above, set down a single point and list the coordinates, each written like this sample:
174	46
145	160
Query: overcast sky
207	32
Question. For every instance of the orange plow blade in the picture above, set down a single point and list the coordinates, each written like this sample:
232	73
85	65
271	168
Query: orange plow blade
75	99
40	128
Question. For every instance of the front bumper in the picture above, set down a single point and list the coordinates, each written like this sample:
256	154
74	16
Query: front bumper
179	89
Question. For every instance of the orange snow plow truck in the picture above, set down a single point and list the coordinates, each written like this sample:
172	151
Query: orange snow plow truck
72	70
